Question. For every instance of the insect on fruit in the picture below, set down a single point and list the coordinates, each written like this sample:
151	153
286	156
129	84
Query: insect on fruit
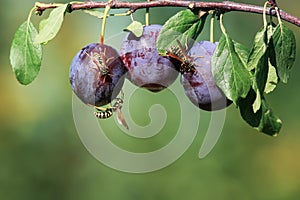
200	86
97	74
104	113
101	62
179	54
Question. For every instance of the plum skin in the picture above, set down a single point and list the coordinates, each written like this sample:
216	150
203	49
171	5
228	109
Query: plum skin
200	86
146	68
97	74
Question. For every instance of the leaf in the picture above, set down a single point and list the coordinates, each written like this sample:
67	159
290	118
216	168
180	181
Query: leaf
95	13
264	120
42	24
257	103
246	109
136	28
259	49
259	57
272	80
261	73
25	56
185	27
285	50
51	25
260	62
269	123
229	71
242	52
271	45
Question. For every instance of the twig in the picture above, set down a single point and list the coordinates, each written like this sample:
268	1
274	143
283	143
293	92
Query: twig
224	6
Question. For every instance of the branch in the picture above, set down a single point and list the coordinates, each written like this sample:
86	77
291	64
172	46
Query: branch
224	6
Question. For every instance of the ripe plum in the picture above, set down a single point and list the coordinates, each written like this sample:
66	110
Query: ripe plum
199	85
146	68
97	74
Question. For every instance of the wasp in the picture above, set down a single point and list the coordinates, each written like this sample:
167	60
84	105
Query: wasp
179	53
100	60
104	113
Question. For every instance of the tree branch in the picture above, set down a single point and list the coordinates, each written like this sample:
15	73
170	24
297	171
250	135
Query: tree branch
224	6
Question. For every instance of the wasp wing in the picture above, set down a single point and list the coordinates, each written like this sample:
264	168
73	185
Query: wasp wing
121	119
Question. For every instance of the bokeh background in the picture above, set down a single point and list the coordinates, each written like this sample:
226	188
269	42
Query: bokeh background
42	157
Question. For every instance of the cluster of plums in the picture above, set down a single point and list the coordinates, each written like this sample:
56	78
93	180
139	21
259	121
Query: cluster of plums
97	72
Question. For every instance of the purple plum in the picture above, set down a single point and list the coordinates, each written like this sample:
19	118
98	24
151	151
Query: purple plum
146	68
97	74
199	85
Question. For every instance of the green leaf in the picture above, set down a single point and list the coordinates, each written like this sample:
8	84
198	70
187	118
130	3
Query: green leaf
25	56
259	57
136	28
184	27
246	109
269	123
285	50
259	63
261	73
264	120
271	45
272	80
95	13
51	25
229	71
242	52
42	24
259	49
257	103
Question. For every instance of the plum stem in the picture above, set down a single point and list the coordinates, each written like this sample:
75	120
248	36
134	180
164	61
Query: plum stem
147	19
222	25
107	9
278	16
264	14
29	17
224	6
212	22
131	17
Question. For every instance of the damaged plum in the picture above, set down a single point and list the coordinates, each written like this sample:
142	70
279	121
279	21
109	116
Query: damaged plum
146	68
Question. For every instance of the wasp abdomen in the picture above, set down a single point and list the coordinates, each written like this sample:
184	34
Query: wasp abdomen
104	114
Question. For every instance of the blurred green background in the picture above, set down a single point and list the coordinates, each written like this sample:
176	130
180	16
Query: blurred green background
42	157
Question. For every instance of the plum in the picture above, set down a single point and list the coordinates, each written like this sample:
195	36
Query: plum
199	85
97	74
146	68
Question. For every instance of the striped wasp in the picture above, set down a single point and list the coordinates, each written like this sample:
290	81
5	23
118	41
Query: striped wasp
104	113
179	54
101	62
